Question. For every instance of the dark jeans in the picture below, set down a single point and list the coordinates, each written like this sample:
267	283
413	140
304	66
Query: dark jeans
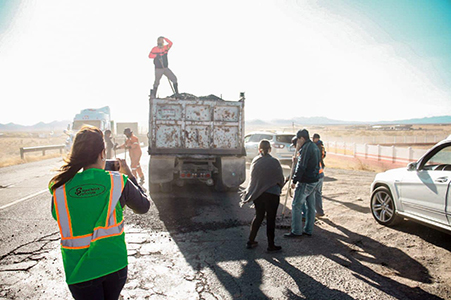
106	287
265	204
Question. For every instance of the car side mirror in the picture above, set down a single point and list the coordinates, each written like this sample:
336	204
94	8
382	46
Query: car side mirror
412	166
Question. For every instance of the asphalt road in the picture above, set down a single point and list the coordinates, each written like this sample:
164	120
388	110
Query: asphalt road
191	245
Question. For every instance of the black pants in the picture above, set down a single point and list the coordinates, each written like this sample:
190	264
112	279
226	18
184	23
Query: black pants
265	204
106	287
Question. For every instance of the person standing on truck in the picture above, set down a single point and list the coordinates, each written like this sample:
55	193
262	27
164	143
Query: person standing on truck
88	207
305	180
132	144
159	54
264	189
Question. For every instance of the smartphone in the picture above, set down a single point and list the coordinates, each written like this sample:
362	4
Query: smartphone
112	165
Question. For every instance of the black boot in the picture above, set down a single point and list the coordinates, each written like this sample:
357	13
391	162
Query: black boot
153	92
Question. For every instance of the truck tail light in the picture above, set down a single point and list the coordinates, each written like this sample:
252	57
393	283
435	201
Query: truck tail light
188	174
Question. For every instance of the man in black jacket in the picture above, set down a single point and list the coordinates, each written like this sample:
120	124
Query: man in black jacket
305	180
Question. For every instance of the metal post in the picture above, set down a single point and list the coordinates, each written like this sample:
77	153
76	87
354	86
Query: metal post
393	154
378	152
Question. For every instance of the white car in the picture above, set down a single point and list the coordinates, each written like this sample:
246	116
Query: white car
420	192
280	143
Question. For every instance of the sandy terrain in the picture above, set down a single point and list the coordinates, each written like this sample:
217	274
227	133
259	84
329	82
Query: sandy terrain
411	254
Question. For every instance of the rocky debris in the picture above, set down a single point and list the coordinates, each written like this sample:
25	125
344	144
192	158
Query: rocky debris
187	96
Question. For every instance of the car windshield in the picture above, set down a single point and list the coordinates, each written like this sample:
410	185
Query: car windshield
284	138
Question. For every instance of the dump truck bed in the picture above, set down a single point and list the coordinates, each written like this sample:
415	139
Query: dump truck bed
207	127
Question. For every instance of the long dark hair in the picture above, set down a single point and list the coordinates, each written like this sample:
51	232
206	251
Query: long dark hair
88	144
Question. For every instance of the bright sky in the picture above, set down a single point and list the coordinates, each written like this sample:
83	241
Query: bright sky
342	59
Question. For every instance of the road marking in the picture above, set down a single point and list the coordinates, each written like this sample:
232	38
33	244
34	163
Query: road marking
23	199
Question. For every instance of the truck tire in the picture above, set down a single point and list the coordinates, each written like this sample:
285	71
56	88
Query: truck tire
219	186
166	187
154	187
234	189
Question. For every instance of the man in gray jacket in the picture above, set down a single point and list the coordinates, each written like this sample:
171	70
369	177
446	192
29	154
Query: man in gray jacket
305	180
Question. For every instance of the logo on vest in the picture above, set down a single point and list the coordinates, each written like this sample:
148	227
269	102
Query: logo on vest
86	191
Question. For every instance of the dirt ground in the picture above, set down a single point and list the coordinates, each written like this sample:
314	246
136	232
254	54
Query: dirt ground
11	142
411	254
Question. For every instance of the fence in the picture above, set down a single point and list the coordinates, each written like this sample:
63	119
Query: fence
390	156
388	139
40	148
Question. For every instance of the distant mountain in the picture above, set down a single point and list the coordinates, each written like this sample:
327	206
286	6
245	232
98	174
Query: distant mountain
41	126
61	125
310	121
428	120
327	121
256	122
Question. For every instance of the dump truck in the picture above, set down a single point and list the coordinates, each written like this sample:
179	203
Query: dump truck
196	139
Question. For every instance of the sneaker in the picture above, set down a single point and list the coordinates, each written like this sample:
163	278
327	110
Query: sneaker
292	235
274	248
319	215
141	181
251	245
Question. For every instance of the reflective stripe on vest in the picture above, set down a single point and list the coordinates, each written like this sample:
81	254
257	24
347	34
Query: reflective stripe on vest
112	228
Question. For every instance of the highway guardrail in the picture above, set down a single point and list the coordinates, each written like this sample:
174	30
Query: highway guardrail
23	150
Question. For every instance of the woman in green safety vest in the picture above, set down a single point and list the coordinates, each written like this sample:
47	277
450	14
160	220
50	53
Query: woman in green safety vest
88	207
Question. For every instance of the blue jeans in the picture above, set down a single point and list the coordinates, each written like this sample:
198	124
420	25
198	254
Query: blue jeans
107	287
319	197
304	195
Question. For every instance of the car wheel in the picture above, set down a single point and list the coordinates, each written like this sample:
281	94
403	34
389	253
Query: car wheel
383	207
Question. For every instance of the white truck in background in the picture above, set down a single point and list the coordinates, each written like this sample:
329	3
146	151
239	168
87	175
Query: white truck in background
98	117
196	139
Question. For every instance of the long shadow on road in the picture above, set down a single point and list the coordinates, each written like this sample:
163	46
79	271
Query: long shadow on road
359	251
218	219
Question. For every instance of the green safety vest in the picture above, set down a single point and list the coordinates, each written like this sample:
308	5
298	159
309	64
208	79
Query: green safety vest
91	224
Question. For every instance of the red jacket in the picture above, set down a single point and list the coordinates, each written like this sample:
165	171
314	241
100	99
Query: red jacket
160	55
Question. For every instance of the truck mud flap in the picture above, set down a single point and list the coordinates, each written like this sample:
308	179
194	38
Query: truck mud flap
161	169
233	171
